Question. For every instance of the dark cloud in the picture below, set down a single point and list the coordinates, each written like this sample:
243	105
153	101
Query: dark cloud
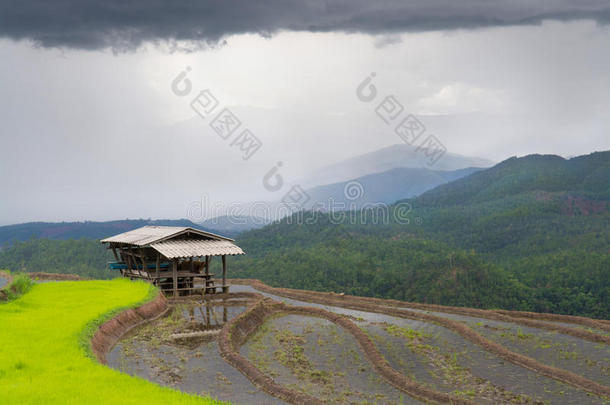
94	24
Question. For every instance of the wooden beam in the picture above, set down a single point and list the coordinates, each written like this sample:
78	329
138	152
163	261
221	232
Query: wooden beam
130	252
116	256
133	256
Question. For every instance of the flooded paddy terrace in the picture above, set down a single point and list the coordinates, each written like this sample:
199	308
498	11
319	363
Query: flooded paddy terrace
317	357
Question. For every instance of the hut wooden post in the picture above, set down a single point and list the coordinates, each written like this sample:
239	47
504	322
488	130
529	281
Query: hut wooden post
130	265
157	267
133	258
224	272
144	267
175	276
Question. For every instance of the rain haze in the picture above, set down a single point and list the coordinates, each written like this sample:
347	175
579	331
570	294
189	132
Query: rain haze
97	100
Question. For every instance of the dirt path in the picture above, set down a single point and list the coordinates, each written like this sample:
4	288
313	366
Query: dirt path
55	277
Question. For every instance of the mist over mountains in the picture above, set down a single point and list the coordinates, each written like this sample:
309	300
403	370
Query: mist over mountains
392	157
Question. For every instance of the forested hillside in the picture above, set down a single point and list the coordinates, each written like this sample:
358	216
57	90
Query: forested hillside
85	257
531	233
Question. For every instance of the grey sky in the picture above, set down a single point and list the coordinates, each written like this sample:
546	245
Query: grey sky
92	24
88	133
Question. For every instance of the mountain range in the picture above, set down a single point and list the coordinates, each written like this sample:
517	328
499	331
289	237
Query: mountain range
530	233
379	177
385	187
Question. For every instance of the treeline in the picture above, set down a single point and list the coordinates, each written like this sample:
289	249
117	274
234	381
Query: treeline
492	270
404	268
85	257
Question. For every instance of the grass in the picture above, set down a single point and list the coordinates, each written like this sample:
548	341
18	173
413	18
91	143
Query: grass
45	354
20	284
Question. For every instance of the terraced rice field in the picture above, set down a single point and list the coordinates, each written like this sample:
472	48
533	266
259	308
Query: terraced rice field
264	345
190	364
310	354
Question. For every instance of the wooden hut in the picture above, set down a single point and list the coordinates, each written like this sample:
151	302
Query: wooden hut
177	259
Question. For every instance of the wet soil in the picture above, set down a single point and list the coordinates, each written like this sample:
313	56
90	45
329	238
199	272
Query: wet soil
589	359
159	352
511	382
316	357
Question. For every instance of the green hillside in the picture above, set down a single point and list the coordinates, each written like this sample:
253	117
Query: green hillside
588	174
531	233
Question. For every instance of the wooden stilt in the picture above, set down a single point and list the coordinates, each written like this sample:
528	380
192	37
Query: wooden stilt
143	261
158	266
224	274
175	276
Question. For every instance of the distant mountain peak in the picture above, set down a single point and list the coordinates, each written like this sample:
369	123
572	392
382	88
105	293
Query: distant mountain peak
388	158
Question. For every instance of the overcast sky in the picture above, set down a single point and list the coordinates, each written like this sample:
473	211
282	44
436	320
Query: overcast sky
92	130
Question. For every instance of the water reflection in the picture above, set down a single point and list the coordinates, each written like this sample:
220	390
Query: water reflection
181	351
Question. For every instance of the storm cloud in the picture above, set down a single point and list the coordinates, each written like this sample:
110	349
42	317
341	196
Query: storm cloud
125	25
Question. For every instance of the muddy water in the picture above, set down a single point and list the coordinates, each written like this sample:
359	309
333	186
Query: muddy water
480	363
316	357
3	281
191	366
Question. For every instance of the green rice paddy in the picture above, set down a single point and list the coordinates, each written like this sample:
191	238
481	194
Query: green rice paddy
44	347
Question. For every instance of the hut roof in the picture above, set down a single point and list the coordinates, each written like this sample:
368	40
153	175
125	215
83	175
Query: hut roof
193	248
177	242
